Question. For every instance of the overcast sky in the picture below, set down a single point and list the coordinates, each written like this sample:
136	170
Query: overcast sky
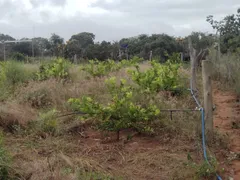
109	19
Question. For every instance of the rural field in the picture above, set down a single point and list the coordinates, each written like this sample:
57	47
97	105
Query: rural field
107	120
146	107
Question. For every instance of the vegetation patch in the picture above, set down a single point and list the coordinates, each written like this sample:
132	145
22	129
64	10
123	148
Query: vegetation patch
58	69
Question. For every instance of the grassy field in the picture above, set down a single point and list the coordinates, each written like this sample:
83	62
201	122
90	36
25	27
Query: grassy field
42	144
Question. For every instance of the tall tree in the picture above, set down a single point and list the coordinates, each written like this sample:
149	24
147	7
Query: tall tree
229	30
79	43
57	44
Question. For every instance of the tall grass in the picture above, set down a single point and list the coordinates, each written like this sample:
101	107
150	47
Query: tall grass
13	73
227	70
4	161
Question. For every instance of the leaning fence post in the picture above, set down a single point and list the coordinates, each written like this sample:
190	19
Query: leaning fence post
192	52
207	92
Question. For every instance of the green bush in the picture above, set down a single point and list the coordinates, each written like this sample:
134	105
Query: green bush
204	170
121	113
48	122
12	74
160	77
18	57
132	62
58	69
97	68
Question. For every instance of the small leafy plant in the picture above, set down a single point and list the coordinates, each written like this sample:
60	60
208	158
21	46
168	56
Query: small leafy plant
48	122
204	169
58	69
132	62
97	68
121	113
160	77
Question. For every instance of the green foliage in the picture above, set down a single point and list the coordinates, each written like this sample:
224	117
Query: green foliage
58	69
174	58
18	57
101	68
121	112
203	170
56	44
12	74
159	77
229	30
4	161
97	69
48	122
132	62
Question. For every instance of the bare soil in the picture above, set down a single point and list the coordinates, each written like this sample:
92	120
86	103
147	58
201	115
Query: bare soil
227	120
141	158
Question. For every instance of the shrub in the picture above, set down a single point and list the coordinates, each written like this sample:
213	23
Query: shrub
48	122
12	74
97	69
18	57
204	169
132	62
160	77
121	112
58	69
174	58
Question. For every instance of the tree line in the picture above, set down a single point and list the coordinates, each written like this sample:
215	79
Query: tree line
83	45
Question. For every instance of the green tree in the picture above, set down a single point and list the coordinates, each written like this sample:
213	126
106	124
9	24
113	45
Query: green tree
85	39
79	43
23	47
229	30
57	44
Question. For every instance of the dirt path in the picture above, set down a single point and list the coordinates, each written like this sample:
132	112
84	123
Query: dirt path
227	113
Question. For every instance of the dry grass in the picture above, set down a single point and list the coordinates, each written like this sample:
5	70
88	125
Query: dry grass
140	158
81	152
226	70
13	114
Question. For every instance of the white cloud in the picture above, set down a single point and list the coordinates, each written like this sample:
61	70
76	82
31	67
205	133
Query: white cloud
110	19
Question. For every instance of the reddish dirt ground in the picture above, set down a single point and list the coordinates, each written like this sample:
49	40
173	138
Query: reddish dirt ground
228	113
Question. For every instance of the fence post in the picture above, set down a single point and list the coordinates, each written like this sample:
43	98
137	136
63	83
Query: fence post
207	92
192	52
150	56
75	59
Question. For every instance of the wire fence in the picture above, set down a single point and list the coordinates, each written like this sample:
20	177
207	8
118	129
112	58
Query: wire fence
198	108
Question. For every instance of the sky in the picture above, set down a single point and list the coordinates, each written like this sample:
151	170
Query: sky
109	19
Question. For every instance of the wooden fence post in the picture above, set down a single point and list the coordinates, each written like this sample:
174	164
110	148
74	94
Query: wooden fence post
75	59
192	52
207	92
150	56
